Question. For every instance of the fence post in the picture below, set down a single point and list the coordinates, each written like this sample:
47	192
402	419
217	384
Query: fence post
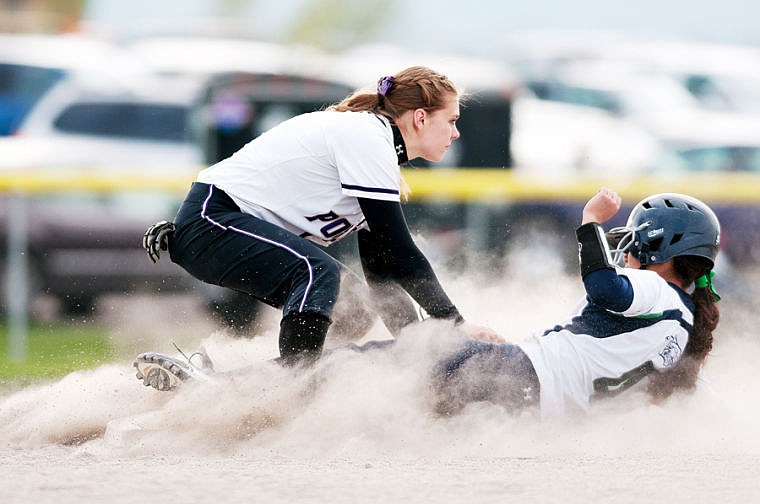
17	277
477	221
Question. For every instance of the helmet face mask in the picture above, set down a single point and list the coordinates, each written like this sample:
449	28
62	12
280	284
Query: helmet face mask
664	226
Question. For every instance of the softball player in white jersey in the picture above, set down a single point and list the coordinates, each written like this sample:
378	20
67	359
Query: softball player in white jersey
636	326
251	221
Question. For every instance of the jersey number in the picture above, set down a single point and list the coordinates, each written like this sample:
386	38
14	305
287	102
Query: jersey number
608	387
335	227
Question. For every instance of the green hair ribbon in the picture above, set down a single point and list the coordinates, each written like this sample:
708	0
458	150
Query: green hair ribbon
706	281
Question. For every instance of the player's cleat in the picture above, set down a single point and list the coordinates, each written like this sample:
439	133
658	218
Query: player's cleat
163	372
160	371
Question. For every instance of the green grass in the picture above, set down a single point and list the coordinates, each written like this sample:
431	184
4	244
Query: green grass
53	351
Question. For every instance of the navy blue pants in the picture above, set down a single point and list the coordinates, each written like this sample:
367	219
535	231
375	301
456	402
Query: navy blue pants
219	244
479	371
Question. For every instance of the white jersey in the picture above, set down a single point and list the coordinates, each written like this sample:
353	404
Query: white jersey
305	174
599	352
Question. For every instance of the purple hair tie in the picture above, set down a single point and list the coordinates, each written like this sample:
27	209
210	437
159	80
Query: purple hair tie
383	86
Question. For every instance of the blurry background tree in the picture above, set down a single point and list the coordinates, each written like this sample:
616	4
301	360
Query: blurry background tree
339	24
328	24
47	16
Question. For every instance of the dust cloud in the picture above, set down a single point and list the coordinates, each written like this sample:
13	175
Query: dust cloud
359	427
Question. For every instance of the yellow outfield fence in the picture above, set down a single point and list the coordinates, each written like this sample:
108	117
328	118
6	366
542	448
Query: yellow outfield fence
461	184
479	185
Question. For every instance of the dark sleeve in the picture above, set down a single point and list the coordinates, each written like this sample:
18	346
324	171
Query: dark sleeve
609	290
389	255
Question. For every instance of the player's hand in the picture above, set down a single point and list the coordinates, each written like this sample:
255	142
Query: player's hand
602	206
156	239
481	333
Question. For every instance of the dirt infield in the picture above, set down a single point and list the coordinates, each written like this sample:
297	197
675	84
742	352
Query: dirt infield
359	427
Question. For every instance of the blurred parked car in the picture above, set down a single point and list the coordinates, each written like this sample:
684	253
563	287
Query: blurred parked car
655	102
722	77
578	107
558	139
85	243
85	122
179	56
31	64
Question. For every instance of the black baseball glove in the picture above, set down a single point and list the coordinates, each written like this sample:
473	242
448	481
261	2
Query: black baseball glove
156	239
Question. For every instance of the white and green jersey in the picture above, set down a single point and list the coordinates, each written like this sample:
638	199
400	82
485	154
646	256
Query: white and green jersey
305	174
598	352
